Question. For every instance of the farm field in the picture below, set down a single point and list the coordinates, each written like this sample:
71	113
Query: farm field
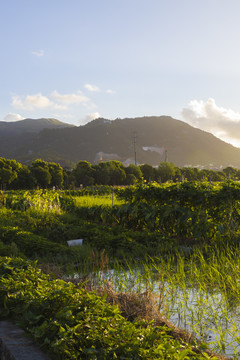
177	242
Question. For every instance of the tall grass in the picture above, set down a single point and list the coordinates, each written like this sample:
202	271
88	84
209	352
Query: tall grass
199	293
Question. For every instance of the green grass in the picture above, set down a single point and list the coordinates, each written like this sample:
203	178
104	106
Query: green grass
199	293
89	201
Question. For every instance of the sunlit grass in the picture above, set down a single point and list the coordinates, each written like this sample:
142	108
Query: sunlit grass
89	200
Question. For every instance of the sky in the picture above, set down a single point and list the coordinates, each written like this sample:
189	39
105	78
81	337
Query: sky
76	60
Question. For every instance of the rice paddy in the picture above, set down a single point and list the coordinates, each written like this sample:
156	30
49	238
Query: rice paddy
199	293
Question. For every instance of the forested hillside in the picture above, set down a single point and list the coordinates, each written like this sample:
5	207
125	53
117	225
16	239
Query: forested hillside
145	140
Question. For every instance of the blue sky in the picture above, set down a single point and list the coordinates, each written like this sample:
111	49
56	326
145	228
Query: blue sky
79	59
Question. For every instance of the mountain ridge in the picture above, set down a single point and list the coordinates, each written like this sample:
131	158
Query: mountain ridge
30	125
156	138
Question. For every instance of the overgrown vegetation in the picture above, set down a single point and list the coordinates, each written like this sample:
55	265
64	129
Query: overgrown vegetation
184	239
72	323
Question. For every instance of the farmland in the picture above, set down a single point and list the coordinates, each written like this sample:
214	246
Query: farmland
178	242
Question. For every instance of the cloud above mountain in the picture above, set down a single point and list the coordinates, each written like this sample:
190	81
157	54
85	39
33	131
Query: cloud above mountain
13	117
57	104
55	101
92	116
223	123
76	98
33	102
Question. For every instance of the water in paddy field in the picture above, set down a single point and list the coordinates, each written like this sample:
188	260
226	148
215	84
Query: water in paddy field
208	315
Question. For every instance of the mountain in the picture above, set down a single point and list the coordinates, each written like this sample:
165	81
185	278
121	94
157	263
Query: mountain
15	134
153	138
29	126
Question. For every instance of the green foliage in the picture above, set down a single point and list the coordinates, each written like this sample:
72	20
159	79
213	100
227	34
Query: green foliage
2	198
74	324
194	211
110	173
8	171
152	220
29	244
10	250
133	174
95	190
43	174
56	172
37	199
83	174
167	171
24	180
40	172
149	172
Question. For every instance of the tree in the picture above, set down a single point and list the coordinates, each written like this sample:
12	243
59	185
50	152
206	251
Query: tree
7	172
133	174
24	179
117	172
230	172
68	179
83	174
110	173
167	171
211	175
190	174
101	173
56	172
40	172
148	172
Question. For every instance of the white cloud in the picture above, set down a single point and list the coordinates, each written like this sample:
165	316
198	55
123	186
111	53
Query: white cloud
55	103
109	91
92	88
92	116
70	98
38	53
33	102
89	117
13	117
223	123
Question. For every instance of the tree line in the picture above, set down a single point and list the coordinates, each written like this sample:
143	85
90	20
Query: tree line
43	174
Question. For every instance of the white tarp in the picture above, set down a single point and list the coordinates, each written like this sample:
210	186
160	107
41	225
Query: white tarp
75	242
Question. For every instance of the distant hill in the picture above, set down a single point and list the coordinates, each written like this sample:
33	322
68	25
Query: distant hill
30	126
17	133
155	138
